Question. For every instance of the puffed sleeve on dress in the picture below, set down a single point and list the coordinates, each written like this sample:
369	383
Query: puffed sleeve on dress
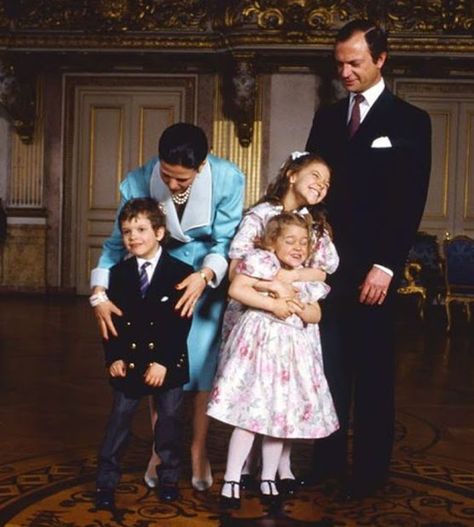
324	255
314	291
260	264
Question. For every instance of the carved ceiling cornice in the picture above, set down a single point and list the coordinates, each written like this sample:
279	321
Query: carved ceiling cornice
220	25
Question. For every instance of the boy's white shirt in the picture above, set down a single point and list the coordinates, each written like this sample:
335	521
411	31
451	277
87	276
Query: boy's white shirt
150	269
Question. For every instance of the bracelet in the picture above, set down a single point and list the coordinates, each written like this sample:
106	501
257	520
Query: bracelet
98	298
203	275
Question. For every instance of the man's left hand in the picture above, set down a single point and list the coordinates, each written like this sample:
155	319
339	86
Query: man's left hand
374	289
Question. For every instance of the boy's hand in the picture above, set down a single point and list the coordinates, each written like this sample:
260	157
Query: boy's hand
103	314
118	369
155	374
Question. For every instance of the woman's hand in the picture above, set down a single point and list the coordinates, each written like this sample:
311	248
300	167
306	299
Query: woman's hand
103	314
193	287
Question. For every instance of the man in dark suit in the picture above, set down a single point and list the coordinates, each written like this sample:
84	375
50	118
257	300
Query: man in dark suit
149	354
379	147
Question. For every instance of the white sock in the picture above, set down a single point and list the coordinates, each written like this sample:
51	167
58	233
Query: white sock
271	453
284	466
239	447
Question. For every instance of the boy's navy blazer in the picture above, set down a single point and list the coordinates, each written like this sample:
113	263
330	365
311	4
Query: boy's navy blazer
150	330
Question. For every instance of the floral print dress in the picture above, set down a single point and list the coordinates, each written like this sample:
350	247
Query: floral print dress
270	377
324	254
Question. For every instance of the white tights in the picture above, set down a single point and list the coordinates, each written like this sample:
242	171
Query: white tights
284	466
240	444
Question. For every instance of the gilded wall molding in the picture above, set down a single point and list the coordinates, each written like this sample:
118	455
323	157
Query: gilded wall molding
77	35
293	16
216	25
108	15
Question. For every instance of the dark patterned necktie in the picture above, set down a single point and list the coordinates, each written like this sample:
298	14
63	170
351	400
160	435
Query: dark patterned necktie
144	283
354	122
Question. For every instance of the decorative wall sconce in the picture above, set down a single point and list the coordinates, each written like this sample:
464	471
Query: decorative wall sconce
17	101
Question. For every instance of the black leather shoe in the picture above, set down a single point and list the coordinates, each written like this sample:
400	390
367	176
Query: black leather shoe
287	486
104	500
168	492
232	501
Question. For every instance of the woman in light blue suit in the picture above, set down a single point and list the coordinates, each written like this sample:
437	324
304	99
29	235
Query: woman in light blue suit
202	196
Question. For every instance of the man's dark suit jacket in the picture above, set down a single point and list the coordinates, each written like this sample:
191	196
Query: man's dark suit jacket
377	195
150	329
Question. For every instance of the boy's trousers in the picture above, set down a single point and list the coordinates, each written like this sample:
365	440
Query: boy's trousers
167	436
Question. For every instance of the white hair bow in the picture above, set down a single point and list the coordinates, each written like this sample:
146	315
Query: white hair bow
295	155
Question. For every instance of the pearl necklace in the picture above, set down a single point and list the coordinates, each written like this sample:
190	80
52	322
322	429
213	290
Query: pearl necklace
180	199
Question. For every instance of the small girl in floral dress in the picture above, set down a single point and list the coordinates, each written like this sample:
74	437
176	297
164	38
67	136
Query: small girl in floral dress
271	381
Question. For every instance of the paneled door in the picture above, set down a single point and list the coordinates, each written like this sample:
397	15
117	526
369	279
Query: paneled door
449	208
116	129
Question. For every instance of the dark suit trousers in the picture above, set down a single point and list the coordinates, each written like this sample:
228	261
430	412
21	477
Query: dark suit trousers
167	436
358	352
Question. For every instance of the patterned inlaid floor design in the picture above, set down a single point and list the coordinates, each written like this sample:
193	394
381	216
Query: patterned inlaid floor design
58	492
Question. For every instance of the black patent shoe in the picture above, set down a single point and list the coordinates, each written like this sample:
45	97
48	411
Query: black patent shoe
104	500
232	501
287	486
271	497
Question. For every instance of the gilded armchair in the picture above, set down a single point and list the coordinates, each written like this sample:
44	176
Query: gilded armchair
459	274
423	274
410	286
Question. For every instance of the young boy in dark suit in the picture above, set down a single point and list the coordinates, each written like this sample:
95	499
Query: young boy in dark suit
149	355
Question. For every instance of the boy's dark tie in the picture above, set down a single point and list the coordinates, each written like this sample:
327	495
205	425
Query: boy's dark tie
144	283
354	122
